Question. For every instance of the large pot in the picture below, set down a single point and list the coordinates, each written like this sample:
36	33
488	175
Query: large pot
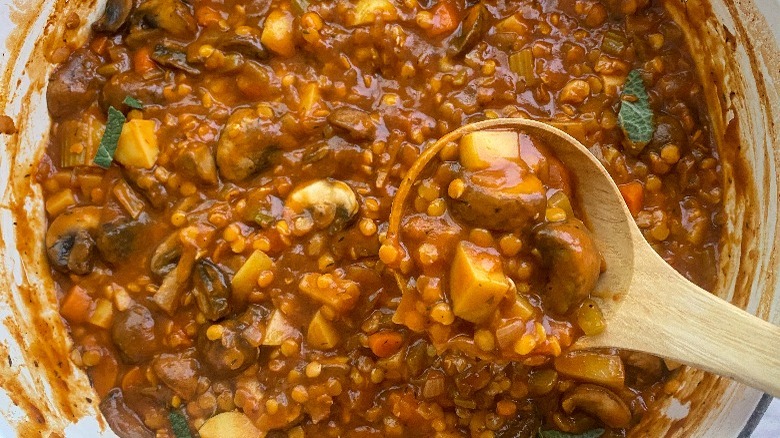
41	391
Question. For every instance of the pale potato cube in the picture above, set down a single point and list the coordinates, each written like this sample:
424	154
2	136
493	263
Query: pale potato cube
311	100
138	144
479	149
321	334
103	314
366	11
477	282
245	280
59	202
278	329
229	425
278	33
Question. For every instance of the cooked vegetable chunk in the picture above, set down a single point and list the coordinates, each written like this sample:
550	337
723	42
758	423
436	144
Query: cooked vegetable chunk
366	11
228	425
138	144
278	33
479	150
574	262
321	333
505	198
477	282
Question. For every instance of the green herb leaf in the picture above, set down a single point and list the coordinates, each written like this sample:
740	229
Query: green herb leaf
179	425
635	116
595	433
132	102
105	152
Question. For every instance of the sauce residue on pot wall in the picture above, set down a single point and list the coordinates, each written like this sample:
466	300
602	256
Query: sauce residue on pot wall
48	391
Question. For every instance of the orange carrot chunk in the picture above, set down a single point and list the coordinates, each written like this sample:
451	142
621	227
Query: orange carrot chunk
385	343
634	195
142	60
76	305
445	18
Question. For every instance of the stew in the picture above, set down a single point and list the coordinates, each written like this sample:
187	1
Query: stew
218	183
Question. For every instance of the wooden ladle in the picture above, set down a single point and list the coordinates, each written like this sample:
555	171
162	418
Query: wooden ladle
648	306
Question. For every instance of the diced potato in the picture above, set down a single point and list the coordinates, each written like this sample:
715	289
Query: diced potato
479	149
278	329
512	24
321	334
589	366
245	280
229	425
311	100
366	11
477	282
59	202
338	293
278	33
138	144
103	314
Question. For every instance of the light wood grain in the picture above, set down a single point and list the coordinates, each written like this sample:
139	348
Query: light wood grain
648	306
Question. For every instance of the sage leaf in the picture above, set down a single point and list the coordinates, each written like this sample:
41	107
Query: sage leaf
110	140
635	116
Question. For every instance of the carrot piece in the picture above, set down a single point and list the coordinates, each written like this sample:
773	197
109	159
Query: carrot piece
445	18
98	45
142	60
76	305
385	343
634	195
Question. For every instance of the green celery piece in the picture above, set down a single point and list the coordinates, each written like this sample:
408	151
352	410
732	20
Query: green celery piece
132	102
635	116
595	433
179	425
110	140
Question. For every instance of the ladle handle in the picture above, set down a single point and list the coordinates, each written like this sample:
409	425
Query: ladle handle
678	320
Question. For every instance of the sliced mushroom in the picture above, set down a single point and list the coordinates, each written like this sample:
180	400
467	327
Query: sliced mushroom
146	182
114	16
508	198
117	237
173	16
331	203
147	88
247	144
173	55
197	161
167	255
573	261
70	240
133	332
211	289
650	365
356	122
231	353
172	286
74	85
123	420
178	371
600	402
471	30
246	43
